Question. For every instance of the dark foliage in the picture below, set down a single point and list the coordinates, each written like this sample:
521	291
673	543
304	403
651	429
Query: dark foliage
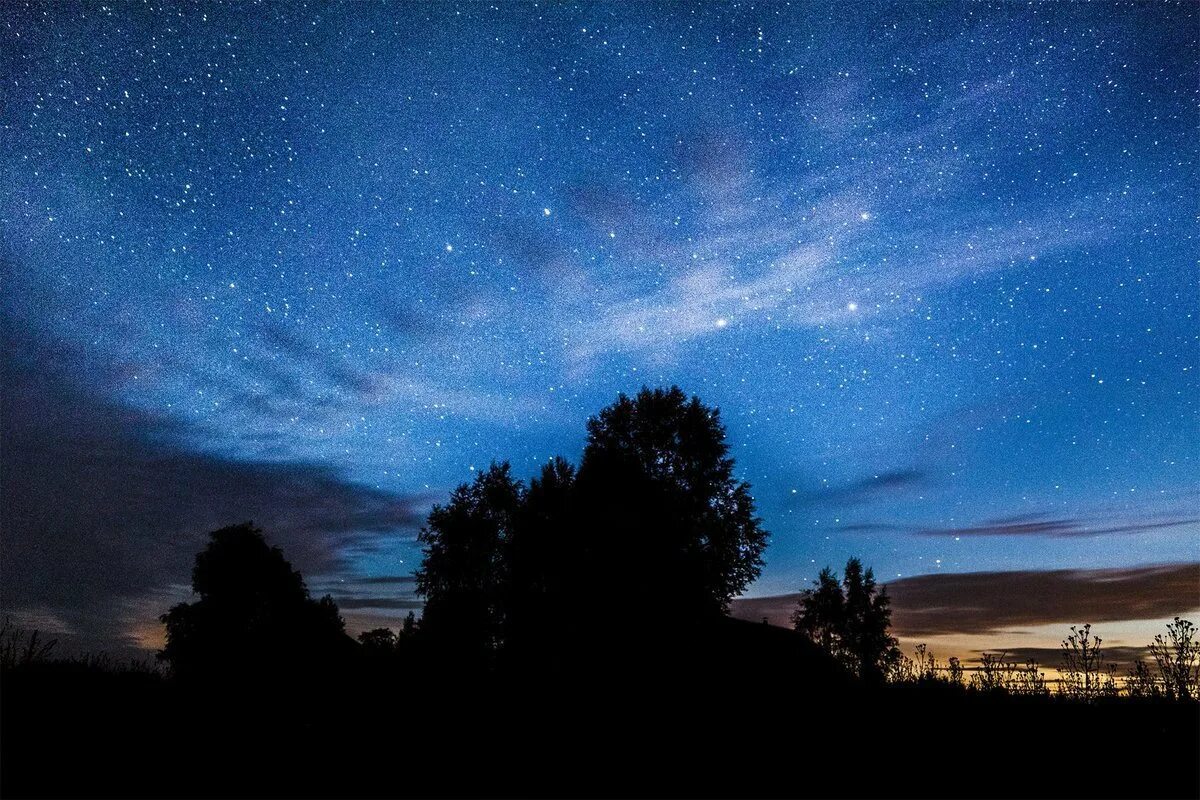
464	574
530	576
254	617
764	723
851	620
822	612
22	648
1177	656
666	519
545	554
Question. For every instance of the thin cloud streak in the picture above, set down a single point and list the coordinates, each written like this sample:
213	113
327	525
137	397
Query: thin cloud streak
865	489
1029	525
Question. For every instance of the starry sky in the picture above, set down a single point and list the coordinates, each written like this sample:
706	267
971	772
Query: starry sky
314	264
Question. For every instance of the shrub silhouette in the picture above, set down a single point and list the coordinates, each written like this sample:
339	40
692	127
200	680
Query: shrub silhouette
954	671
997	675
20	648
923	666
1178	660
1084	674
1029	680
851	619
254	615
1141	682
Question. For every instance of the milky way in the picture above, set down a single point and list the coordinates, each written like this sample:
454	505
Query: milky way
936	265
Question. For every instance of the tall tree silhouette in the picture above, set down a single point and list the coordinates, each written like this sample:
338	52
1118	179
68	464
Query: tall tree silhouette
464	574
850	619
543	558
871	648
667	522
254	613
821	614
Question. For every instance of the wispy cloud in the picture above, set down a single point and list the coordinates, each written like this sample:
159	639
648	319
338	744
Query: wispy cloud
866	489
787	274
825	248
295	372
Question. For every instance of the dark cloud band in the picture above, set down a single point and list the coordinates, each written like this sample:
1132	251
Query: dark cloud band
988	602
104	505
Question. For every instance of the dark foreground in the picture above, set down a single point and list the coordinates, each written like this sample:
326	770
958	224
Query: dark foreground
738	727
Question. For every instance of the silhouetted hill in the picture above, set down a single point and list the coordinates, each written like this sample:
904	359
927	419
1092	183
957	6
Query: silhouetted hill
746	650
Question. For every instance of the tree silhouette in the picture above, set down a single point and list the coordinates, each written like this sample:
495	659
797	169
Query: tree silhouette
821	614
868	617
378	641
850	620
464	574
543	559
254	613
653	515
664	518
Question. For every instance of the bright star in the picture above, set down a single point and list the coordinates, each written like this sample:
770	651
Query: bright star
852	306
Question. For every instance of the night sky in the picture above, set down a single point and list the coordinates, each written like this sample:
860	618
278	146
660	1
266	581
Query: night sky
312	265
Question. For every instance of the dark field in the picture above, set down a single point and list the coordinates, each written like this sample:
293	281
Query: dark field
764	714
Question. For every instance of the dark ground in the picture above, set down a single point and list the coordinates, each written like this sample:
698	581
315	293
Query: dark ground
762	718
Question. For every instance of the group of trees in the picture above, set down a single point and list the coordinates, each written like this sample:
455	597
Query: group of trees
652	515
515	572
533	575
850	618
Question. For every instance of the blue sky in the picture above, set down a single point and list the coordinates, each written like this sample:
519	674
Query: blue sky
935	263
